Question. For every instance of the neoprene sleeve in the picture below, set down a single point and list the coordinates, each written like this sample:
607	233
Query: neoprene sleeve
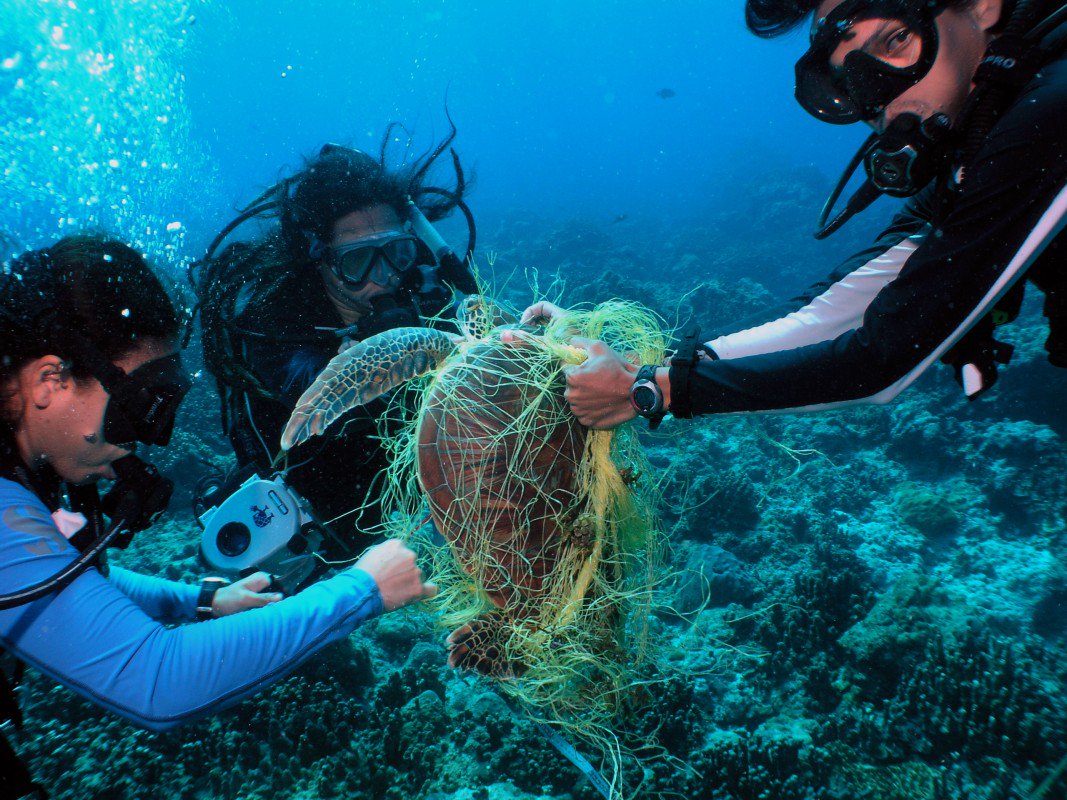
96	639
162	600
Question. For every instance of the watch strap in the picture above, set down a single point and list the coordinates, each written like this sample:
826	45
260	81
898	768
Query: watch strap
208	587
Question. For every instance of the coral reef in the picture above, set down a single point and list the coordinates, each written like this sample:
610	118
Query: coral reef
868	604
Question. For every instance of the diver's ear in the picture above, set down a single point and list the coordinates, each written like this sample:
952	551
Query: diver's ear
45	379
987	13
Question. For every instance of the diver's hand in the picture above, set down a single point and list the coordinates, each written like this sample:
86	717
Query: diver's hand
540	313
244	594
598	389
392	565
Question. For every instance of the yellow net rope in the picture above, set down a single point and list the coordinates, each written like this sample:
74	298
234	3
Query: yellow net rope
543	543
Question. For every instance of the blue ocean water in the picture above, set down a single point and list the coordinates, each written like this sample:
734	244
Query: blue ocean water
558	106
931	534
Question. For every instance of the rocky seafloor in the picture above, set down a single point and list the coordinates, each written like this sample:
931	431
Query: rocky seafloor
863	604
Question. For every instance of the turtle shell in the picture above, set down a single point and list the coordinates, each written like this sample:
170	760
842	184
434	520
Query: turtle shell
498	460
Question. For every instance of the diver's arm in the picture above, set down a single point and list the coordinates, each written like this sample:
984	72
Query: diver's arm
833	305
947	288
96	640
944	291
173	601
598	390
163	600
839	308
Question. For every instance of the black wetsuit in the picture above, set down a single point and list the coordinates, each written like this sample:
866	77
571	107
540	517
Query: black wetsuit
336	473
921	291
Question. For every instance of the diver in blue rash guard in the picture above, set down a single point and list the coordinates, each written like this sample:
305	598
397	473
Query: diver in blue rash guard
88	368
967	100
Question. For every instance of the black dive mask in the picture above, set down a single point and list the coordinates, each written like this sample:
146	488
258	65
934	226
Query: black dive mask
382	259
895	55
144	403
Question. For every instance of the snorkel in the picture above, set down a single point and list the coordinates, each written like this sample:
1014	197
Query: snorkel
451	269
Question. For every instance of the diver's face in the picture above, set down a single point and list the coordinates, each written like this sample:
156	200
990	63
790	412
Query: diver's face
963	35
367	222
60	421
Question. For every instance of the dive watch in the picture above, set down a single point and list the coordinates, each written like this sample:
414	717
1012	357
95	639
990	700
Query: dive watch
646	397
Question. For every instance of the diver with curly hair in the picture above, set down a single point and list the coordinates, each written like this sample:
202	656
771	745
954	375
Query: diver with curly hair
967	101
352	253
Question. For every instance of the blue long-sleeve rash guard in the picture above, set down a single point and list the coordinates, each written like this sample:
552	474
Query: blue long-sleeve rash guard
105	638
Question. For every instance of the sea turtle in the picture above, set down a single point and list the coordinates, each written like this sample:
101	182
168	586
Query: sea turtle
498	460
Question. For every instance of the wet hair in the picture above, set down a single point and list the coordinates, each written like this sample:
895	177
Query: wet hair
90	286
340	180
331	185
770	18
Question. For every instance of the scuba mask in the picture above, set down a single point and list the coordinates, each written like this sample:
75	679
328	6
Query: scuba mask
144	403
382	258
279	200
896	53
451	267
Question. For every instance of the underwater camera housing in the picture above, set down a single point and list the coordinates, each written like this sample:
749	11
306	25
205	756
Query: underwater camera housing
264	525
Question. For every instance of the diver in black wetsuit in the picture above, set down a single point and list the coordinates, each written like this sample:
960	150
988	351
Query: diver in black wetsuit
968	102
353	254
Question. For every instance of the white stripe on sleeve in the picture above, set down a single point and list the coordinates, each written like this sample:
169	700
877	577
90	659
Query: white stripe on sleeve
837	310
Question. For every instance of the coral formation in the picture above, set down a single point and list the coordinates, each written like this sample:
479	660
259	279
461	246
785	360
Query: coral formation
872	602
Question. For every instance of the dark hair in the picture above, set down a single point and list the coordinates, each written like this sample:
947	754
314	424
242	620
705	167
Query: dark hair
770	18
92	286
336	182
340	180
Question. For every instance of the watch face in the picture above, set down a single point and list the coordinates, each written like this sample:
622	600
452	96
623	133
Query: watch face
644	398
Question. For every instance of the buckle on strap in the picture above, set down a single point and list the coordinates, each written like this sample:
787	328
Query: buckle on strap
681	366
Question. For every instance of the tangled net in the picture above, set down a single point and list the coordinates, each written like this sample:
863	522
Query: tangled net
552	555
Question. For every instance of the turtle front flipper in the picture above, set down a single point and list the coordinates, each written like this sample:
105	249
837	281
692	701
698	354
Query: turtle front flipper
363	373
482	646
